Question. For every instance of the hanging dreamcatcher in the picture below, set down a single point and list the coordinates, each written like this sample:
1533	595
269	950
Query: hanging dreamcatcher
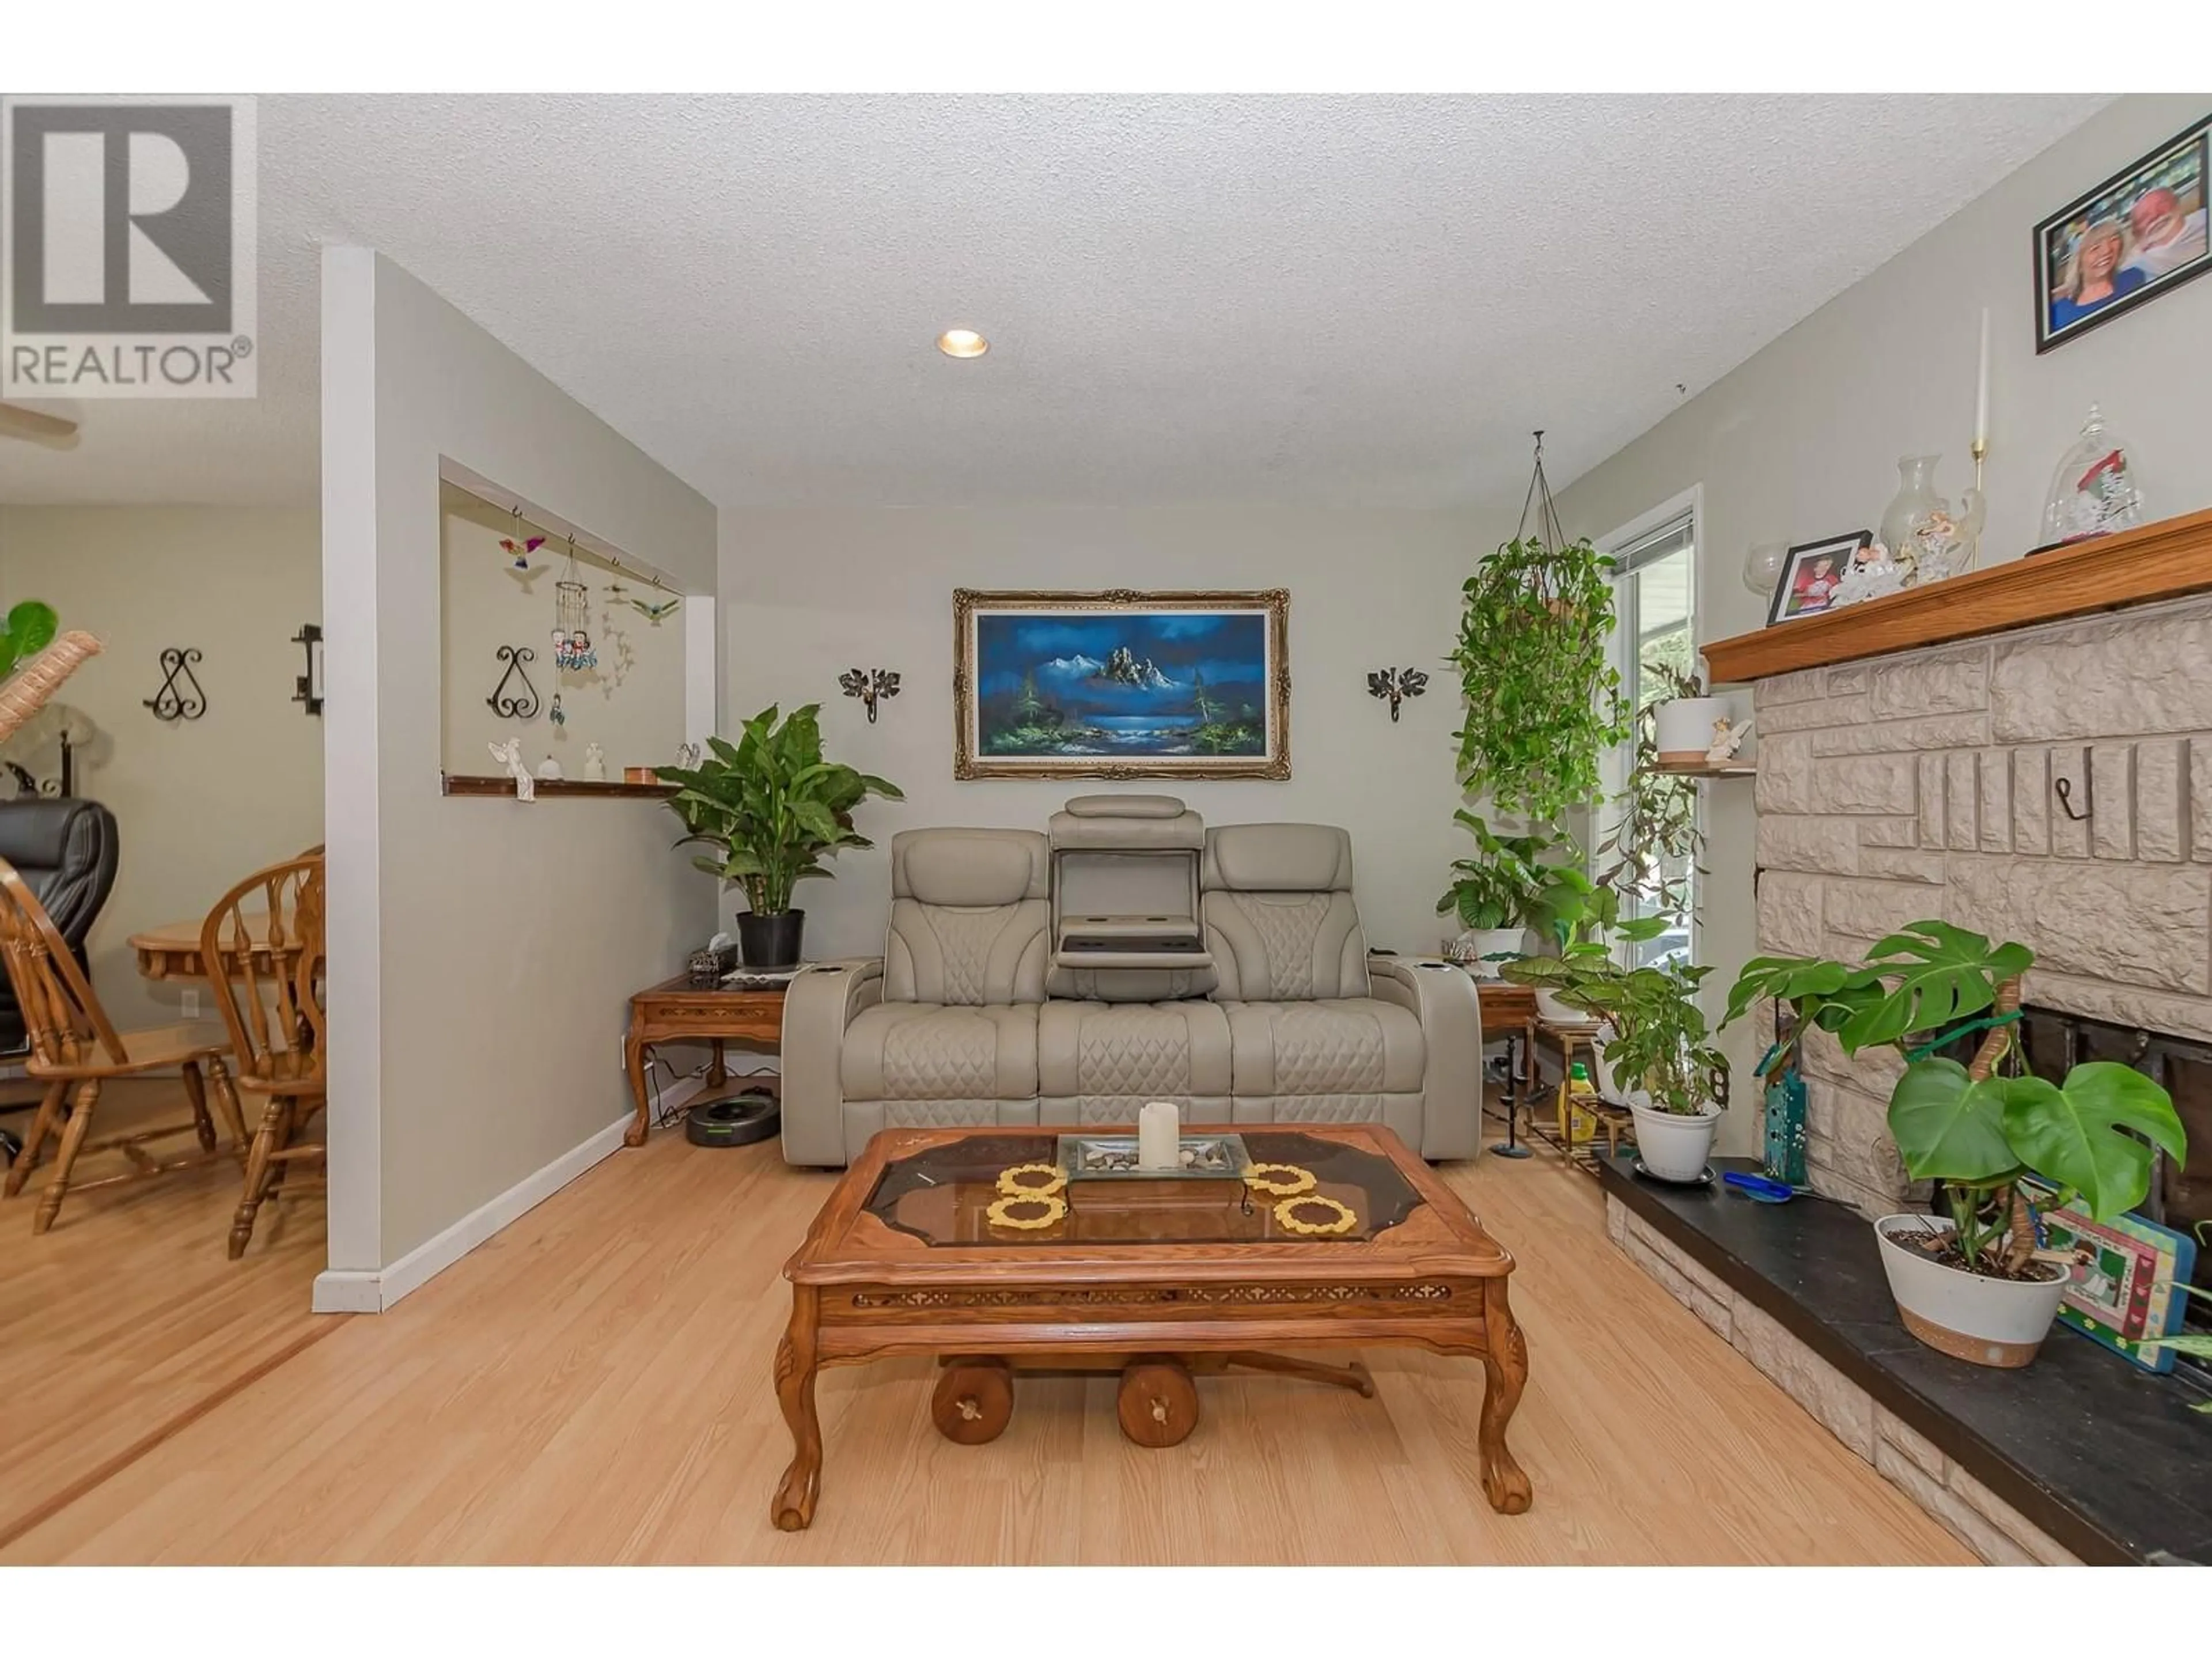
571	616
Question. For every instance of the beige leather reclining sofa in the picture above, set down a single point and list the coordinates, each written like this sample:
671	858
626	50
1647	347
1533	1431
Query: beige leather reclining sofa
1134	955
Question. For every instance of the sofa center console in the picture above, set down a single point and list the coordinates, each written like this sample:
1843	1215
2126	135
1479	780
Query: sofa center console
1130	954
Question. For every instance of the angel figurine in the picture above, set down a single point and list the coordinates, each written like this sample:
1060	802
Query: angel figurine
595	763
1871	574
509	755
1728	737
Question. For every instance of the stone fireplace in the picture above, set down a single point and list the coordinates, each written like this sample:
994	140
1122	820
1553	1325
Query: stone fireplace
2052	785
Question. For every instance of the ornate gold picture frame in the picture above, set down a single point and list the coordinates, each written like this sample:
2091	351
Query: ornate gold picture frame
1121	685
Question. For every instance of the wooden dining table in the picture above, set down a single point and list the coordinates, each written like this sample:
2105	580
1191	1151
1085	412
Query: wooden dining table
171	950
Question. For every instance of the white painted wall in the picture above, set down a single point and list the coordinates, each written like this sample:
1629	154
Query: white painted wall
482	950
811	592
1802	440
634	713
199	804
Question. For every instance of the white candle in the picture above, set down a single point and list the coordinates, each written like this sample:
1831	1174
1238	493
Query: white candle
1159	1135
1982	389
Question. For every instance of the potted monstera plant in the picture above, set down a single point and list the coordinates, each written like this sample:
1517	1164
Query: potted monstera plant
771	808
1672	1080
1973	1280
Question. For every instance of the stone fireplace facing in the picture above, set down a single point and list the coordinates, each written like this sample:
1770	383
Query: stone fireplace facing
2051	784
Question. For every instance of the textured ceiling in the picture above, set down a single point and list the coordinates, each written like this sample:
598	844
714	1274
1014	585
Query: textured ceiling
1341	300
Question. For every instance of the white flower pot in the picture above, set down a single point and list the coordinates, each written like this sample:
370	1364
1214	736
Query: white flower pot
1559	1012
1685	727
1608	1085
1670	1145
1985	1321
1473	948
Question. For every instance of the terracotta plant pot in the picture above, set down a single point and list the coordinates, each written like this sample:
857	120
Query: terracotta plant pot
1999	1323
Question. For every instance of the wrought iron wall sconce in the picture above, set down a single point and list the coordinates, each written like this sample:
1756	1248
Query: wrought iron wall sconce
870	685
180	697
308	688
1397	684
511	704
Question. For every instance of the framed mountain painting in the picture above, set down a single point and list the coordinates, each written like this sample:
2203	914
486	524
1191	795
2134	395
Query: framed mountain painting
1121	685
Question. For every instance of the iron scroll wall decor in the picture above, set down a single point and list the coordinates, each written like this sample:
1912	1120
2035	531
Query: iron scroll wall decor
1397	684
870	685
514	705
180	697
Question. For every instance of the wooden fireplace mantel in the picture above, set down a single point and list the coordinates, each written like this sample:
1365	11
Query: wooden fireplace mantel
2168	560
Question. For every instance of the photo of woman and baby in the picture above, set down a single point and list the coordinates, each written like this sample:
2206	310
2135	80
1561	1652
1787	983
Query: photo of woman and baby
2136	233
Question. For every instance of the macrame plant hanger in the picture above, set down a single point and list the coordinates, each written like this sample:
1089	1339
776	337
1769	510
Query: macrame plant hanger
1549	531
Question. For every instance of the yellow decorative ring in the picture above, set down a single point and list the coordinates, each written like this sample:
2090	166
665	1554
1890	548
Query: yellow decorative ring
1050	1206
1278	1179
1012	1186
1287	1215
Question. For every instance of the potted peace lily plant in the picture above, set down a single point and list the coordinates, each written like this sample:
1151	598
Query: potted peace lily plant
1672	1080
772	808
1974	1281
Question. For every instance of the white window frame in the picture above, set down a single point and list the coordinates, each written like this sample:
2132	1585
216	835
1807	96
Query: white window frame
1690	503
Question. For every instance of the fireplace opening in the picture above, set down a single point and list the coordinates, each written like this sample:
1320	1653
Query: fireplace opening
2054	1042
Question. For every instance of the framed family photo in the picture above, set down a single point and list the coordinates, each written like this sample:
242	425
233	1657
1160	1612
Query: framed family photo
1121	685
1814	573
2140	232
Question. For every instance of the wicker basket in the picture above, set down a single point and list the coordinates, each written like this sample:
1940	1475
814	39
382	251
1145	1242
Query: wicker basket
37	681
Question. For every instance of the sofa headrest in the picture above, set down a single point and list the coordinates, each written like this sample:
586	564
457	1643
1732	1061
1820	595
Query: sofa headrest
1277	858
1123	807
969	867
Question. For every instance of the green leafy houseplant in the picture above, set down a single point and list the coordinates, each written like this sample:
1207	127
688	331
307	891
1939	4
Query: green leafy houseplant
1977	1129
1658	1042
1542	699
1514	884
1655	841
771	806
29	629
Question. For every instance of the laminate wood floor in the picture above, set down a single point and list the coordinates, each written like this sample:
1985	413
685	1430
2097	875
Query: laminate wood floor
129	1316
593	1386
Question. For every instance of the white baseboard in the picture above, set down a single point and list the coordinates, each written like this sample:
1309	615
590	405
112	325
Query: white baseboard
357	1291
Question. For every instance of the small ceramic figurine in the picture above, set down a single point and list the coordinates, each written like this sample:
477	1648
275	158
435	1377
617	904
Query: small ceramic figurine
548	769
509	755
686	756
1728	737
595	763
1871	574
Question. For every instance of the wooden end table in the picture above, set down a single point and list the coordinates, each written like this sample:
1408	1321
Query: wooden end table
1157	1278
677	1011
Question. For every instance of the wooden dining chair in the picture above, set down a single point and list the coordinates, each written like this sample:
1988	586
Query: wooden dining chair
74	1049
271	1002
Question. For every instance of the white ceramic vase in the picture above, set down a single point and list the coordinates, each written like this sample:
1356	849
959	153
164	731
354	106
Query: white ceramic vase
1985	1321
1670	1144
1685	727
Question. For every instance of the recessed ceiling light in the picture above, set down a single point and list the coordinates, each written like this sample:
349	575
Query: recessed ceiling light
961	343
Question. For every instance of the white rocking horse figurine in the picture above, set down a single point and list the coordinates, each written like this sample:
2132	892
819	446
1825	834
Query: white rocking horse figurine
509	755
1727	739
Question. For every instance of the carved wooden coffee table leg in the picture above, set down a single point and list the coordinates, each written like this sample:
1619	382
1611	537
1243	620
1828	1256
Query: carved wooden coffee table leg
1505	1373
793	1509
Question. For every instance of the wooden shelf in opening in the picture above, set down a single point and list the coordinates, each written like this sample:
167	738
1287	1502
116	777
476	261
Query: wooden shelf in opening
1700	769
555	788
2168	560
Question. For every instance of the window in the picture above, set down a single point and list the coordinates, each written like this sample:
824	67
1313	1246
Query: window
1655	612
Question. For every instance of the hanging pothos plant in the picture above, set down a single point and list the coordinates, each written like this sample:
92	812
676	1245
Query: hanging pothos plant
1542	699
1655	824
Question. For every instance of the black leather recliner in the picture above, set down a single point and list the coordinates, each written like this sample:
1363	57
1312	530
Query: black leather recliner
65	851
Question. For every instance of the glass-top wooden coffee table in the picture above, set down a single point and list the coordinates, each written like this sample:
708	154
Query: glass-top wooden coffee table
941	1241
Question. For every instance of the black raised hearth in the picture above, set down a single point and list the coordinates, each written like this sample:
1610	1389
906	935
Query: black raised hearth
2108	1460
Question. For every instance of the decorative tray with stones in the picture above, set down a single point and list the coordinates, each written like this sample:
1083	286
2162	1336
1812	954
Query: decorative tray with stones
1114	1157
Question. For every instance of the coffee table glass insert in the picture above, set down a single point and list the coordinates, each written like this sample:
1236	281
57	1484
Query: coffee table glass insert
942	1196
